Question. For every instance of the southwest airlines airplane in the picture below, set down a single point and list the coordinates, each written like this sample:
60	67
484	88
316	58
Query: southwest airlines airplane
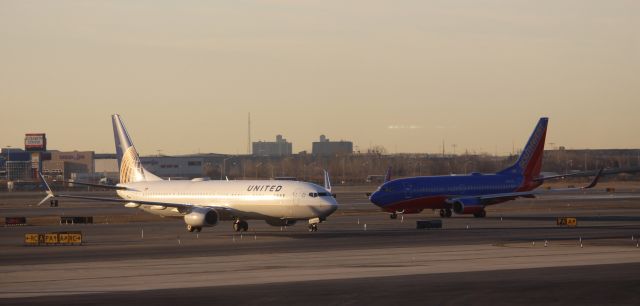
469	194
203	203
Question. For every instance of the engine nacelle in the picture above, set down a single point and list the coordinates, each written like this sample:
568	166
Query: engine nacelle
280	222
467	206
200	217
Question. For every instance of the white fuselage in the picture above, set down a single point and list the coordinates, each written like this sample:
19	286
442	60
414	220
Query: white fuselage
262	200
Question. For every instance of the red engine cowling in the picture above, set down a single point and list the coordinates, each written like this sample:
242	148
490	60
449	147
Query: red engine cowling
471	206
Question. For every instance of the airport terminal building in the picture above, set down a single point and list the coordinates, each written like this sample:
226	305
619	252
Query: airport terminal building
174	167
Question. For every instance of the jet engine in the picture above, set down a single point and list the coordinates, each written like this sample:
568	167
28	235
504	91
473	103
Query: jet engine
199	217
468	206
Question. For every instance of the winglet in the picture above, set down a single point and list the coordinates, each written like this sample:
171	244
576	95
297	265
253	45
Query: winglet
327	181
387	176
595	180
50	193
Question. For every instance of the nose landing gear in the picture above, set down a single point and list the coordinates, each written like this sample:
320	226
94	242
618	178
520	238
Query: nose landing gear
313	224
313	227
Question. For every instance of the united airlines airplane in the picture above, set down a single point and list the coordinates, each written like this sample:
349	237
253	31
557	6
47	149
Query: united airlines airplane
203	203
470	194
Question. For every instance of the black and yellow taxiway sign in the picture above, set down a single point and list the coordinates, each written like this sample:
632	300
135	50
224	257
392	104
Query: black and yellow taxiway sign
55	238
567	221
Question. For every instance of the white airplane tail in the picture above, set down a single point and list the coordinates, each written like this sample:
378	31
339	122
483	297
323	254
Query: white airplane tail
327	180
131	170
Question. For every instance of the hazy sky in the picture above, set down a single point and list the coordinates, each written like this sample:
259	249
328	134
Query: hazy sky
401	74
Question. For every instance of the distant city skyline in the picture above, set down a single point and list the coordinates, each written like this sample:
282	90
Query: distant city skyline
404	76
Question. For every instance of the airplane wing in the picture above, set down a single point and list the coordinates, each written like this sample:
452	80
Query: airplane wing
116	187
489	198
589	173
180	206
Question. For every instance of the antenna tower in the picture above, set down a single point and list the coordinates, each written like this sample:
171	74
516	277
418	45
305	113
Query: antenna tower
249	134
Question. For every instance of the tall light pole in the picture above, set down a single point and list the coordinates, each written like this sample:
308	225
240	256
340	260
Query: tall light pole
6	165
224	166
257	166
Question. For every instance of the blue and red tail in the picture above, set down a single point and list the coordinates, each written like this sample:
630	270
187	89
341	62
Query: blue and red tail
529	163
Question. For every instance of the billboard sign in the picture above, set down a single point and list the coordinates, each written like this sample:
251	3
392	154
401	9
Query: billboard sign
35	142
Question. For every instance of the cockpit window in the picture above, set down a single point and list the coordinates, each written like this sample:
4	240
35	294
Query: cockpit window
319	194
388	188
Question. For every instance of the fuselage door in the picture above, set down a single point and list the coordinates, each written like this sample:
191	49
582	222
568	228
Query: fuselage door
298	198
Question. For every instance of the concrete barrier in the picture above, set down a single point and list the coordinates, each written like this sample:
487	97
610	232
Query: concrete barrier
15	221
427	224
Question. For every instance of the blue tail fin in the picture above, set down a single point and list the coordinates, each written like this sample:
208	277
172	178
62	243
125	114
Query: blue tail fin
529	163
131	170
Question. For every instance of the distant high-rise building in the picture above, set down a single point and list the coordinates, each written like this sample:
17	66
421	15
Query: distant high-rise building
325	147
267	148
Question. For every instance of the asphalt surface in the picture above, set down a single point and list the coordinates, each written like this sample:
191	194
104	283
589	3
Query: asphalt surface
358	256
585	285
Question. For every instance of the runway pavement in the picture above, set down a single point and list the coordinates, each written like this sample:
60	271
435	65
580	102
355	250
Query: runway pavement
500	260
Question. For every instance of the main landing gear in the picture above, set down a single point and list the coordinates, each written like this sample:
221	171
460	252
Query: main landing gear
240	225
393	215
191	228
480	214
445	213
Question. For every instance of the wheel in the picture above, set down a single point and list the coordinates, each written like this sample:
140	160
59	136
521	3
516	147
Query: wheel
448	213
198	229
482	213
190	228
240	225
442	213
311	227
393	216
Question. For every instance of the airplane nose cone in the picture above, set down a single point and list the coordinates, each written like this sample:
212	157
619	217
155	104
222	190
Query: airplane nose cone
332	207
375	198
